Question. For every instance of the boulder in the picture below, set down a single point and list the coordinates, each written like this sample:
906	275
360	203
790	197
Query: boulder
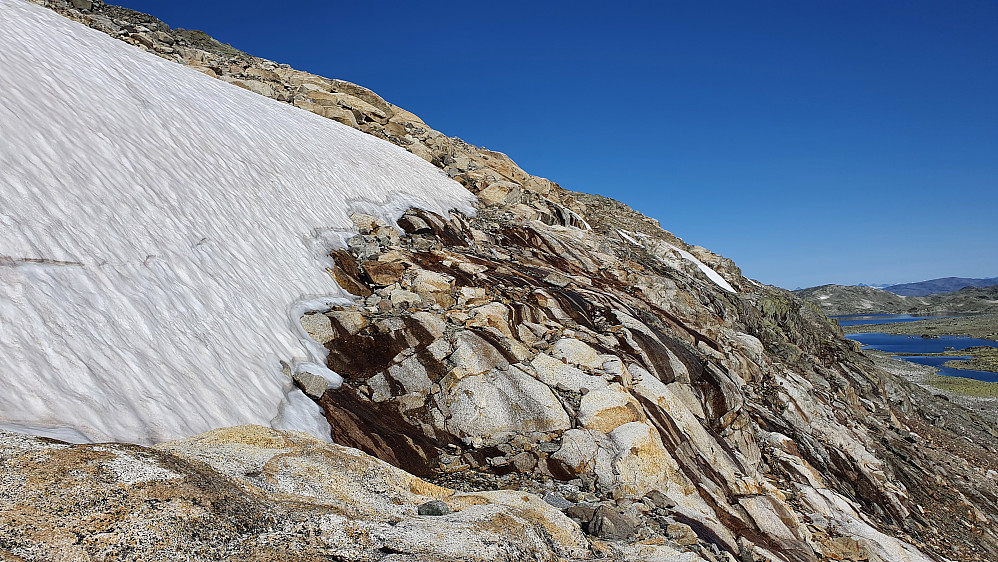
432	323
255	493
350	321
557	279
560	375
577	353
471	296
403	298
557	500
582	511
493	315
387	236
643	464
432	282
437	287
366	224
608	523
411	375
347	274
473	355
498	193
314	386
660	500
337	113
383	273
524	461
255	86
608	408
433	508
318	326
589	453
499	403
681	533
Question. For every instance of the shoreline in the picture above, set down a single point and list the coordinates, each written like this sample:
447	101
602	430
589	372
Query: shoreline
983	326
980	326
978	396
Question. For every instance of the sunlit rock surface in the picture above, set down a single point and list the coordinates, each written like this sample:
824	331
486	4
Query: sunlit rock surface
254	493
563	344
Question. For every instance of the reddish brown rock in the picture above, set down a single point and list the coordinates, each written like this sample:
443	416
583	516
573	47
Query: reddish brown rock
383	273
347	274
378	430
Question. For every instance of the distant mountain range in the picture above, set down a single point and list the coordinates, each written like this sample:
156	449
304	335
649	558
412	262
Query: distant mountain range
938	286
851	299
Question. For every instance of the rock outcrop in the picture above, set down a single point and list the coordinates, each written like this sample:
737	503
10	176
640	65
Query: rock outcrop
762	429
258	494
557	344
846	299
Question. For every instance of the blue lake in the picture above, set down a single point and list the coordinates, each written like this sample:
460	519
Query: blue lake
860	319
916	344
937	362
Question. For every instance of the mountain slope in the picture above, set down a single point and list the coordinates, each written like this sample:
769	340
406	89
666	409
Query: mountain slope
937	286
847	299
554	343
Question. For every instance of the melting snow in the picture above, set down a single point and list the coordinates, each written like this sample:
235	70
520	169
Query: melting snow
300	413
710	273
624	234
162	232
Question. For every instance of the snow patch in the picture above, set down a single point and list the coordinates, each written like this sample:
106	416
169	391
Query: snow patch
299	413
632	237
67	434
163	232
710	273
624	234
18	440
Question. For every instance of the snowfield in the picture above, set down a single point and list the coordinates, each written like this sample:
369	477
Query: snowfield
714	276
706	269
161	233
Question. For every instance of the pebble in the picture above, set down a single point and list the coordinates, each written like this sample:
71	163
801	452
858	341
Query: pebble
433	508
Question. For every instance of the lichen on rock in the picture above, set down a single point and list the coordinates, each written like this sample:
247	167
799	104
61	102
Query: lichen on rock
556	342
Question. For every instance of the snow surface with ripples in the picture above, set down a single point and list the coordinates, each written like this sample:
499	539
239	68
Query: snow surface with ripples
160	231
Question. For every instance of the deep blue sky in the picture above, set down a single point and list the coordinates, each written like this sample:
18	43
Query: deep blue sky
812	142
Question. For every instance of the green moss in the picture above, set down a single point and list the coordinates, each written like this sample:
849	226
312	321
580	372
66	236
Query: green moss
963	386
981	359
206	42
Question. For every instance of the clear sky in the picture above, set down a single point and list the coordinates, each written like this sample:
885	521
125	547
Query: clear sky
812	142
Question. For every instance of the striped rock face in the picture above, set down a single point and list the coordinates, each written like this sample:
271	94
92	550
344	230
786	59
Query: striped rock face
556	345
541	353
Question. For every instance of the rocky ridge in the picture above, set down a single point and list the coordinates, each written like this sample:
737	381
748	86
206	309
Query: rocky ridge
939	286
557	344
846	299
